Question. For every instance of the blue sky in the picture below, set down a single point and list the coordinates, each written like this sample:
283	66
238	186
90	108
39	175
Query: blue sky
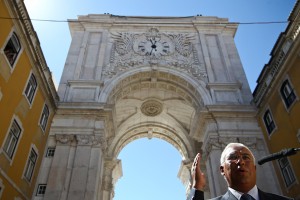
150	166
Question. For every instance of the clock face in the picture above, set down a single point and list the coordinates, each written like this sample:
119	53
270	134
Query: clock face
153	46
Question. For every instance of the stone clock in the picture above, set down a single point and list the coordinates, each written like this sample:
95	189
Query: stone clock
153	44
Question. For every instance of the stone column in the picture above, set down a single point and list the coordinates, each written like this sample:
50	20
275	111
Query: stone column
95	167
80	168
112	172
212	153
184	175
60	168
75	172
86	168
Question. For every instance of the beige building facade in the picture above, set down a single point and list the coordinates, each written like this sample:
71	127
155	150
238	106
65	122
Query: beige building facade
179	79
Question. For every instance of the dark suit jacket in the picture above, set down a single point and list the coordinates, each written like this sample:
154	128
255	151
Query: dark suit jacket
199	195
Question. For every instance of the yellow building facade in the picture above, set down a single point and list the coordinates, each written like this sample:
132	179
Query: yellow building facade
277	99
27	102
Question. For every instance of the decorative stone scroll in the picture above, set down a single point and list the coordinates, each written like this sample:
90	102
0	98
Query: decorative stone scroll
64	139
176	51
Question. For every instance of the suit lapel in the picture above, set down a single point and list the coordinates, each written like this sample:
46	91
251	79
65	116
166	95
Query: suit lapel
228	196
261	195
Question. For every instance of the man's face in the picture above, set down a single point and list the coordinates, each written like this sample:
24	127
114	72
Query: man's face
239	169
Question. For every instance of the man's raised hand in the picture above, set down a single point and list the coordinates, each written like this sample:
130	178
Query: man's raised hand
199	180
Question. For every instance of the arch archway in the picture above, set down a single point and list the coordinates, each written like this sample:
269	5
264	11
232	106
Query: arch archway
154	104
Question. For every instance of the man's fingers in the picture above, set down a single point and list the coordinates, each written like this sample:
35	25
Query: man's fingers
196	162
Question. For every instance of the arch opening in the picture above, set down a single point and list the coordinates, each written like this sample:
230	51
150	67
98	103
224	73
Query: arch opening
155	181
179	141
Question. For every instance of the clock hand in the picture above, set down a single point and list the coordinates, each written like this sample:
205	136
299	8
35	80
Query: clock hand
154	45
151	41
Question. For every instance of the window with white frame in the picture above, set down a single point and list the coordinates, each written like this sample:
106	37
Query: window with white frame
44	117
287	93
287	172
269	122
30	165
31	88
41	189
12	139
12	49
50	152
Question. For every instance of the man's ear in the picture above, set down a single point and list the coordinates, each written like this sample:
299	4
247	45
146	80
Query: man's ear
222	169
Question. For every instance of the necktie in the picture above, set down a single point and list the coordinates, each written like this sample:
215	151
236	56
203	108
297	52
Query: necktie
246	197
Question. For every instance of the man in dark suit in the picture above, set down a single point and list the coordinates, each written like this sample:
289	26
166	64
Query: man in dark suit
239	170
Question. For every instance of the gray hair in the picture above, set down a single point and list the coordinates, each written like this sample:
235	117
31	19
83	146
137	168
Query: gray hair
230	145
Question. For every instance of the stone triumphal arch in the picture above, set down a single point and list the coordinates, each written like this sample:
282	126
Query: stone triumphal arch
179	79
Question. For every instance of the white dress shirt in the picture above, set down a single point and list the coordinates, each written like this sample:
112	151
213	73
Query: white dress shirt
253	192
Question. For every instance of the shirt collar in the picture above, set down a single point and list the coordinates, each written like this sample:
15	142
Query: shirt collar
253	192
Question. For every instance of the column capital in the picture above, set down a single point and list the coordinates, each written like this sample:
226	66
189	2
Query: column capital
64	139
219	143
91	140
100	141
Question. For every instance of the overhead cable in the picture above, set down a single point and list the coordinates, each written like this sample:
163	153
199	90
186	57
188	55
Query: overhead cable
92	21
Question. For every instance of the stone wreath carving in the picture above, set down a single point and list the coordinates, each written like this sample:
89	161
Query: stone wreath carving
154	48
151	108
